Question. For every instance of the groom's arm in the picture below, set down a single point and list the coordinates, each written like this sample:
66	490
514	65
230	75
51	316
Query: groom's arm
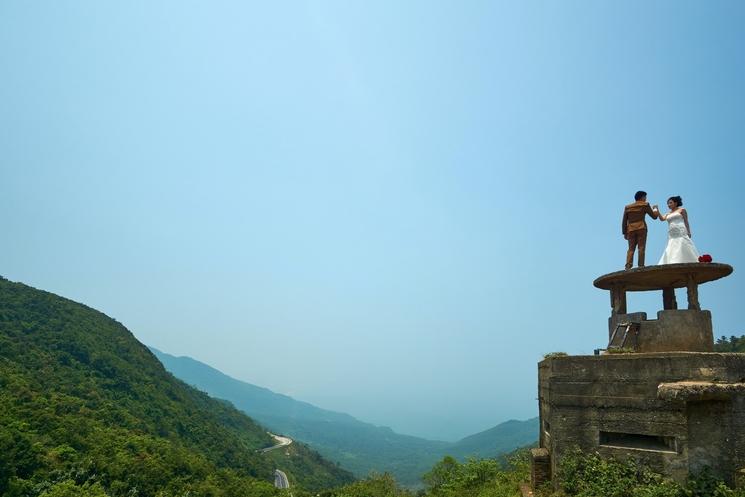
624	222
652	213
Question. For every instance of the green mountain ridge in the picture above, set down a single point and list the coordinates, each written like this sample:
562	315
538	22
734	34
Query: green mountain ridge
503	438
355	445
84	405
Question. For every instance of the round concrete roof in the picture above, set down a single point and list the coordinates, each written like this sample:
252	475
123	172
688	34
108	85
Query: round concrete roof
642	279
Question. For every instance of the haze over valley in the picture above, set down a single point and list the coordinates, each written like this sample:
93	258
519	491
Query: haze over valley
357	446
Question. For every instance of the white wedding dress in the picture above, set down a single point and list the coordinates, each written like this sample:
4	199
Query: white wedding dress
679	248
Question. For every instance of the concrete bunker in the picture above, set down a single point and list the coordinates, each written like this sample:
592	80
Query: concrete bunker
668	401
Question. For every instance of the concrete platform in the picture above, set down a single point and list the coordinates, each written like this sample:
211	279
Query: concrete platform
642	279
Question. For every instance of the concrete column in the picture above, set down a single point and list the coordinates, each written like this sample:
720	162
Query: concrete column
668	299
618	300
693	293
540	467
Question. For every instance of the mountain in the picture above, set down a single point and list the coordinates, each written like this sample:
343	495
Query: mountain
261	402
355	445
503	438
86	408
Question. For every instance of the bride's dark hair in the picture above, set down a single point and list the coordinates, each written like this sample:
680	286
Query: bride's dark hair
678	201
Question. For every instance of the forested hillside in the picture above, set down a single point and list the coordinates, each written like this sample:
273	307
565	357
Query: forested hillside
86	408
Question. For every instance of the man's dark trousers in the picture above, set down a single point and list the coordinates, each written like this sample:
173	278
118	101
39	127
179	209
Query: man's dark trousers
636	238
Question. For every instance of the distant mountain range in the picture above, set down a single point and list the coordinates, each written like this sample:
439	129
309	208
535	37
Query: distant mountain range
355	445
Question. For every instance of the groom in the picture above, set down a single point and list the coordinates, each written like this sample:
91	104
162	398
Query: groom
634	227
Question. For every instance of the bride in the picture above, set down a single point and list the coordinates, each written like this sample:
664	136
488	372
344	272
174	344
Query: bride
679	248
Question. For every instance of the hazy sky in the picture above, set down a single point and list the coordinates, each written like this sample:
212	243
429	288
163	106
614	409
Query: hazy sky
391	209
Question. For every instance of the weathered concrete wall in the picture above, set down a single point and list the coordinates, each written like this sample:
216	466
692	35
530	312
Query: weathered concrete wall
584	398
672	331
678	330
738	438
709	430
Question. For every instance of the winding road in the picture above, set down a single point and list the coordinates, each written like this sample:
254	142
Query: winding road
280	479
281	442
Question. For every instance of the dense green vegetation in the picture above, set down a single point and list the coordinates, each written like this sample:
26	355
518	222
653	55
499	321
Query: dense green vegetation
85	409
450	478
357	446
731	344
588	475
582	475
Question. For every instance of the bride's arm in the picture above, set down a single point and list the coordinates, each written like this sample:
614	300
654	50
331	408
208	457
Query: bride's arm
661	216
684	213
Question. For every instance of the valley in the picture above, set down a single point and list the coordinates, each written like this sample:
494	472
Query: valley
355	445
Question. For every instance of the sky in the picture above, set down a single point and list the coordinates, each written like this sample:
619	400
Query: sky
390	209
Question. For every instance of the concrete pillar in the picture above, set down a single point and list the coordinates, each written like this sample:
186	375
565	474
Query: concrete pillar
540	467
668	299
618	300
692	293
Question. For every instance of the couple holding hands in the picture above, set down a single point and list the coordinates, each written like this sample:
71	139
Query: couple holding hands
679	247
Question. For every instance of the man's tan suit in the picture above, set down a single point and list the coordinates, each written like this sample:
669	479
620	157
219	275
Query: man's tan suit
634	229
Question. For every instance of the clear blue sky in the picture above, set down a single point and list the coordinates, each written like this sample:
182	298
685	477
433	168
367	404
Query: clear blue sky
392	209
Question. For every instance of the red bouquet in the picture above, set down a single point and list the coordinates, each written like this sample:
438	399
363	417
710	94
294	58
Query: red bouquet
705	258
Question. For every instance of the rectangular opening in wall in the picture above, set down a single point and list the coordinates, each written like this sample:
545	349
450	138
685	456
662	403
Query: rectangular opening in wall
636	441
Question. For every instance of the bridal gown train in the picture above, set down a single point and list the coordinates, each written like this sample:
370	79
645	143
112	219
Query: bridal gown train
679	248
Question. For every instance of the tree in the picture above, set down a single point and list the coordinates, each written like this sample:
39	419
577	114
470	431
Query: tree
68	488
442	474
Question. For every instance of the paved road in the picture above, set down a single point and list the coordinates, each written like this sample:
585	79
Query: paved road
281	442
280	479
